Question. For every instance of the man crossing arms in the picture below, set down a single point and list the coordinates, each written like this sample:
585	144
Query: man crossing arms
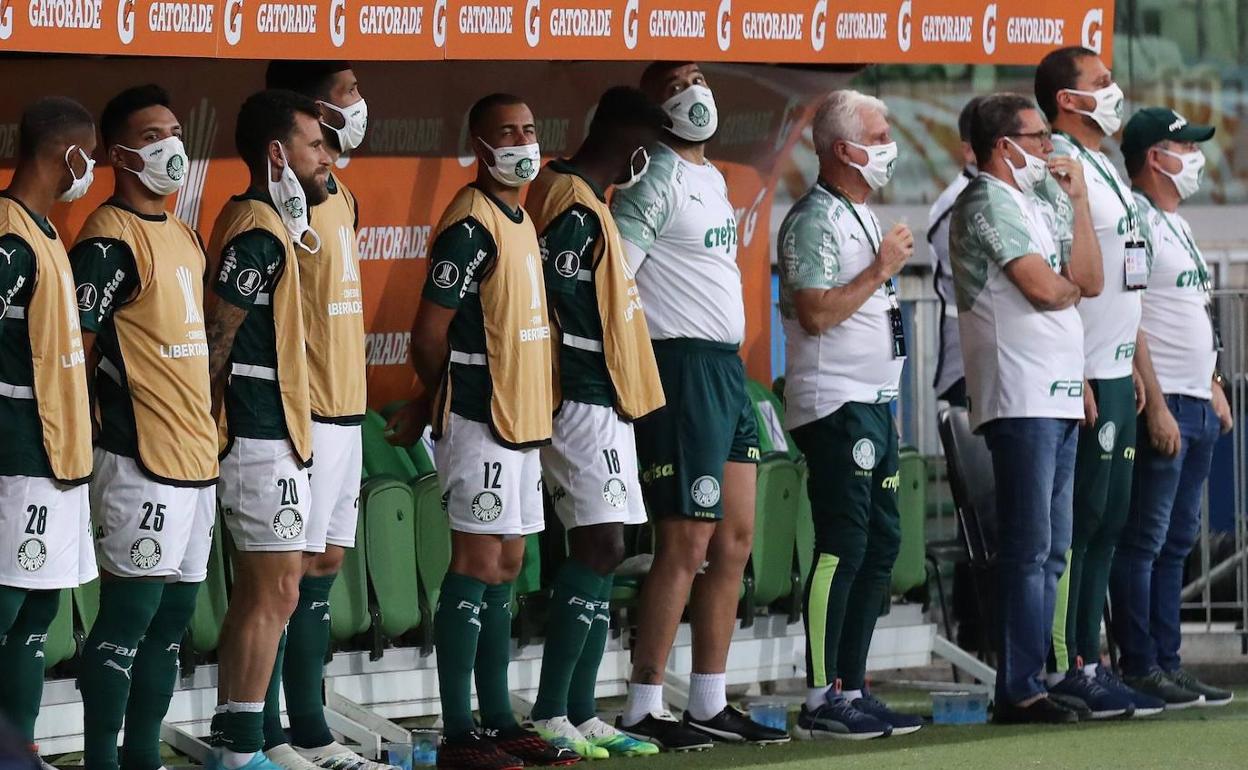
846	347
140	283
607	379
45	458
258	367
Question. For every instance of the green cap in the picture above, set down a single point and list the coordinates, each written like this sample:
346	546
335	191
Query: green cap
1158	124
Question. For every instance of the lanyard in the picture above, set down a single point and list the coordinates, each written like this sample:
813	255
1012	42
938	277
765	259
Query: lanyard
1186	240
1110	180
889	288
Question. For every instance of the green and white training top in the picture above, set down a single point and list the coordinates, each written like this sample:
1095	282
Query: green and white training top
679	214
1111	319
1175	316
1020	361
825	241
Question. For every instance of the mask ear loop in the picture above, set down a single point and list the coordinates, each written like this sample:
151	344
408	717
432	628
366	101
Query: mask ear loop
316	238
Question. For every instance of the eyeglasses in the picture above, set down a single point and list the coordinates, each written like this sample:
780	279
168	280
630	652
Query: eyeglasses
1042	135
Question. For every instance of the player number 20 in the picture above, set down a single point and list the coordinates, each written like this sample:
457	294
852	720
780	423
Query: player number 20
290	492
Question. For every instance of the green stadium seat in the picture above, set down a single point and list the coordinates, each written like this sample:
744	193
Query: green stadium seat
433	545
213	598
380	457
805	531
348	599
910	569
417	452
773	439
87	602
775	524
388	509
61	643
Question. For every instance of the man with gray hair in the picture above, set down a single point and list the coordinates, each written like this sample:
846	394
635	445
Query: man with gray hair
846	347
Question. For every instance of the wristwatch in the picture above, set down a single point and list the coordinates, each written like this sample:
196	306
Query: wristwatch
1219	380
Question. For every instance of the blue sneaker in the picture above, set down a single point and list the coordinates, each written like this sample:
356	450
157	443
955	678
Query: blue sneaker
258	762
1103	703
838	718
902	724
1145	705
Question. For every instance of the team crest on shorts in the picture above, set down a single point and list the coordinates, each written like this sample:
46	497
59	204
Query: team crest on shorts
705	491
615	493
288	524
145	553
32	554
1106	436
487	506
864	454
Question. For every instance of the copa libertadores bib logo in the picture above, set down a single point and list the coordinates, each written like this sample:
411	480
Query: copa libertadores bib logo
145	553
864	454
487	507
705	491
288	524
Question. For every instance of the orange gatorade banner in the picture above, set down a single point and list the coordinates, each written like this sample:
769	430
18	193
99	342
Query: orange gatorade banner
415	156
778	31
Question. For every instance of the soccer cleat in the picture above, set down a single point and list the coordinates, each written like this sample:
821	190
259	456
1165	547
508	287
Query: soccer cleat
335	756
1214	696
616	743
902	724
838	718
732	726
663	730
1103	702
472	751
286	757
1145	705
1158	685
558	731
258	761
531	748
1045	710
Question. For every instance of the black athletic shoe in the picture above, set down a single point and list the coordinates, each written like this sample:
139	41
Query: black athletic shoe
531	748
1044	711
1071	703
1214	696
663	730
474	752
1102	701
1145	705
733	726
1158	685
902	724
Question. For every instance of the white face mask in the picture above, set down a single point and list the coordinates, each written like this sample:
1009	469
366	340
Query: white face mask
164	165
1187	180
354	124
292	204
881	159
514	166
1108	111
81	184
1033	172
634	174
693	113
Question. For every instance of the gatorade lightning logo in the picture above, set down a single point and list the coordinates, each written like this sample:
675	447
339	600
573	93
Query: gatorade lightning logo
632	21
533	23
990	29
819	25
1093	22
904	20
439	23
125	21
6	19
723	25
233	21
187	281
338	22
199	134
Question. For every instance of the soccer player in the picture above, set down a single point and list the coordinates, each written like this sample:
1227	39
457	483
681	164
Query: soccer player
481	346
950	383
1185	410
45	459
846	347
607	379
140	281
1019	268
260	374
1077	93
333	317
679	232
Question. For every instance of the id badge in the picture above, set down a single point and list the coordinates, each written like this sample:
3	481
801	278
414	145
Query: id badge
1213	324
898	332
1137	266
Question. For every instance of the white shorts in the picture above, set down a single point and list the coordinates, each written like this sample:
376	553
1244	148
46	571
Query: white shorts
335	482
487	488
144	528
45	534
591	467
265	495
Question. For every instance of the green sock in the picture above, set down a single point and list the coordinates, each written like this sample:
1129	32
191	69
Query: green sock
21	660
574	601
582	703
303	672
126	609
494	657
242	731
153	675
274	735
11	600
456	629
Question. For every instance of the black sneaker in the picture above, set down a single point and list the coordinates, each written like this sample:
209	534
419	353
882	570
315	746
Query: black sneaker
531	748
1071	703
663	730
1214	696
471	751
902	724
1044	711
838	718
1158	685
733	726
1103	702
1145	705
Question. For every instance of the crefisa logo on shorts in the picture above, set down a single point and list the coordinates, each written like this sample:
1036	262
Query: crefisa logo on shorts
32	554
615	492
487	506
705	491
145	553
288	524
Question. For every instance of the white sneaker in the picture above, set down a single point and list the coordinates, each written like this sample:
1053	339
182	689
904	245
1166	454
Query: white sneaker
335	756
286	756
